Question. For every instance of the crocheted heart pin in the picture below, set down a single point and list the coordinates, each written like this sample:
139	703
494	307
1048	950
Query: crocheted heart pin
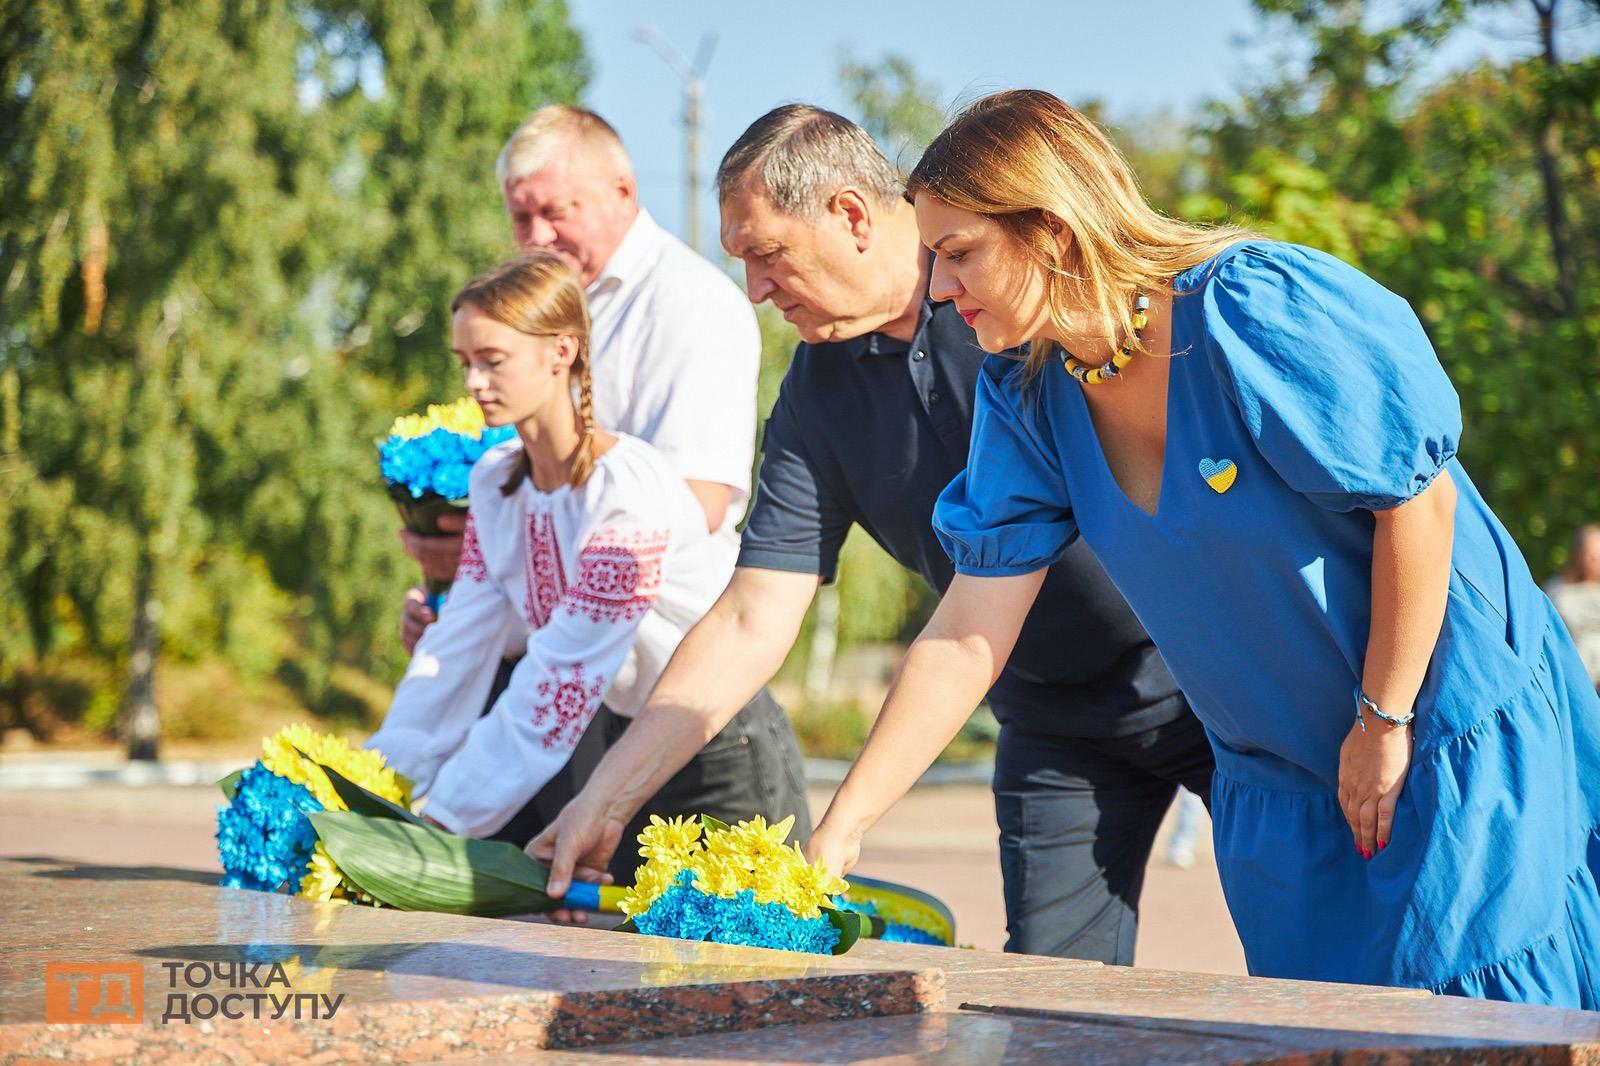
1220	474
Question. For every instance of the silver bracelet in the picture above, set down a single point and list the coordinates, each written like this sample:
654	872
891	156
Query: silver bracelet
1364	702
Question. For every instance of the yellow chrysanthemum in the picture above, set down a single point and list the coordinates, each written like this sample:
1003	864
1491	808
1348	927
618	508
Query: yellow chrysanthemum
649	882
325	881
891	910
749	856
464	416
670	841
363	766
716	876
751	844
812	887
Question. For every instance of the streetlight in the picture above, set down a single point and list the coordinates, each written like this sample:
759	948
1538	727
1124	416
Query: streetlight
693	76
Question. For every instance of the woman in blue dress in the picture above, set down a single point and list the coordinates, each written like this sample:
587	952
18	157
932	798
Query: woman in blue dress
1259	444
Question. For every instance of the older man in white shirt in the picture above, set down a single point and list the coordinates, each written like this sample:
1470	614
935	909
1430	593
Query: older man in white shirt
676	353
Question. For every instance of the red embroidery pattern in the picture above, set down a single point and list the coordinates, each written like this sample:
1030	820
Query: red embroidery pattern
547	583
472	567
619	575
566	706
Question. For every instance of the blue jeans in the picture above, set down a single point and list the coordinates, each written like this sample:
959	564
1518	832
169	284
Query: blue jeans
1078	818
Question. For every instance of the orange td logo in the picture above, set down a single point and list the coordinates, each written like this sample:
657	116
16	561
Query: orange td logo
98	993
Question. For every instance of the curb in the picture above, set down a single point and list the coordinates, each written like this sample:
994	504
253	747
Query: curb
64	774
981	772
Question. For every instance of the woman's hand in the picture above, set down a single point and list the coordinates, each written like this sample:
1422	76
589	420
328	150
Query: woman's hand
1372	771
1411	547
838	851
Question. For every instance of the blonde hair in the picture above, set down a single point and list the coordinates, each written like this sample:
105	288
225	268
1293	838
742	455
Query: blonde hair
550	129
539	295
1034	165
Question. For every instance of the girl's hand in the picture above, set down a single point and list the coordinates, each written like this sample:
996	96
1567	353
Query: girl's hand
1372	771
838	851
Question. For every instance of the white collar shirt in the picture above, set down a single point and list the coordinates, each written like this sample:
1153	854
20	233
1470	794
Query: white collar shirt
677	353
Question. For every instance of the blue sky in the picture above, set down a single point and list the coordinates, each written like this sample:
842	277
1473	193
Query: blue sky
1137	57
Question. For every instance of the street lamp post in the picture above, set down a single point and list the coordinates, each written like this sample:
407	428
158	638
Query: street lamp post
693	76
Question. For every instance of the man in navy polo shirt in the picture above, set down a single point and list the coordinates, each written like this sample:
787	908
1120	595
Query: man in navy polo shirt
872	422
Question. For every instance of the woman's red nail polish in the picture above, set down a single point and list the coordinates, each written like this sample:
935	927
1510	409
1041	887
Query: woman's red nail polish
1382	844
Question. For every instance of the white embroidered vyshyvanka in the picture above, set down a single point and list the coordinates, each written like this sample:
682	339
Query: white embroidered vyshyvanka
593	586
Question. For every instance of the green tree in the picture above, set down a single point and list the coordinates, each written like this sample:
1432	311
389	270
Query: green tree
1477	197
899	109
226	233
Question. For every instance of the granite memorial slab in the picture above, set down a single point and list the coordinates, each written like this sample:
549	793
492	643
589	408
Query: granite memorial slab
273	977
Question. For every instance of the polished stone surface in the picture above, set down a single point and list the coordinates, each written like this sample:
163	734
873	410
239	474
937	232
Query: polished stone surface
423	987
415	986
1023	1010
974	1039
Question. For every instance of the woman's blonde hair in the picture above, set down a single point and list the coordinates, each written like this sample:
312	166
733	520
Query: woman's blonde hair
1036	166
539	295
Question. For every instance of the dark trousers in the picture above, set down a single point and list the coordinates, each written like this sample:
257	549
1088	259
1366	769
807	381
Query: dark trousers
752	767
1078	818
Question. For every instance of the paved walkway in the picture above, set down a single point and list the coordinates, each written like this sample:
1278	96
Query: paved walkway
941	839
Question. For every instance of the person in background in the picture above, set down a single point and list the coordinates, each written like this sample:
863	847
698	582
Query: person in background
1576	594
582	547
1185	830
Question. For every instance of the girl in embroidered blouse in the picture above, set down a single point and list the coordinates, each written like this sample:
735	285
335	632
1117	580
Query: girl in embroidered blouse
1271	481
582	548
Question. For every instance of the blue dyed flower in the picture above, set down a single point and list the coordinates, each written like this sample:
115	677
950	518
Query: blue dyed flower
439	461
894	931
264	838
685	912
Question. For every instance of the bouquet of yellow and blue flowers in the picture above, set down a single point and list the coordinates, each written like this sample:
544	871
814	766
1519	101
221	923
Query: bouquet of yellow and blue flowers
705	880
332	822
265	838
426	460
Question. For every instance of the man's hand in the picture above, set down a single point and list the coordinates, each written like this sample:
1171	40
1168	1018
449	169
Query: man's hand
578	844
699	693
415	616
438	554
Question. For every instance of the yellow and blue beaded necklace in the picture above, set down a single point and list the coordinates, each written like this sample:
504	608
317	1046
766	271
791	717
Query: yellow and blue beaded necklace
1094	375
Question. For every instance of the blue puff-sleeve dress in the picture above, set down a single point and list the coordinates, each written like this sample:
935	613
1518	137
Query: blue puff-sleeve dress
1303	396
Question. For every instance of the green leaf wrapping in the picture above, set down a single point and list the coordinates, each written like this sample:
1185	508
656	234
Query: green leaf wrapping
230	784
415	867
852	926
361	800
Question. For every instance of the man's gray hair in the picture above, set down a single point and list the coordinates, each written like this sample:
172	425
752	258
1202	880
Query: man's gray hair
803	155
557	128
